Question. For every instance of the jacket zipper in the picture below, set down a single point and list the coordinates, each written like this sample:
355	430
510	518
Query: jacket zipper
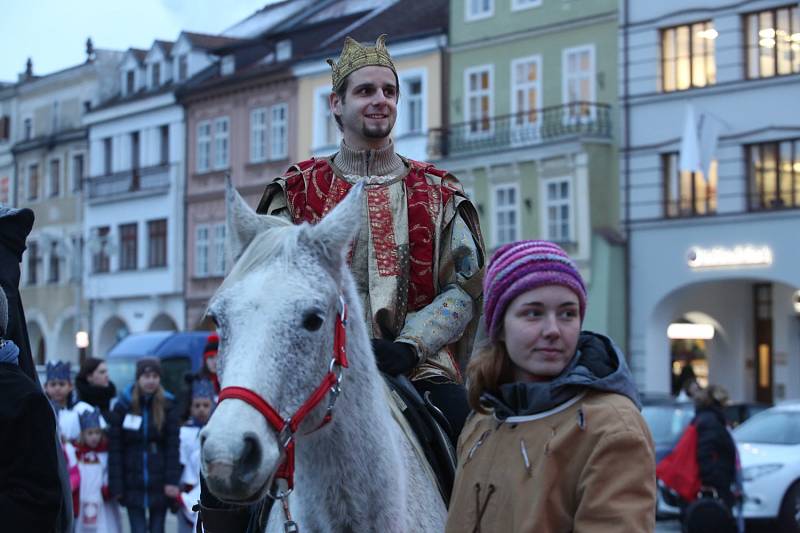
144	459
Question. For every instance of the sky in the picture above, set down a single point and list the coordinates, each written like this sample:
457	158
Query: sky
53	32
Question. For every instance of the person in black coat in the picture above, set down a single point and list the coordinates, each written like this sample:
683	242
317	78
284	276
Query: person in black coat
143	465
15	225
716	450
94	386
30	490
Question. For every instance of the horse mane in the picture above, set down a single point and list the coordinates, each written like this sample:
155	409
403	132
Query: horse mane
265	246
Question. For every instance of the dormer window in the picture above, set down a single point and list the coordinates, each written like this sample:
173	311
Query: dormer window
156	75
183	67
130	82
283	50
228	65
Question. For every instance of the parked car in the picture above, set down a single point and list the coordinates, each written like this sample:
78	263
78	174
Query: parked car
736	413
180	352
769	448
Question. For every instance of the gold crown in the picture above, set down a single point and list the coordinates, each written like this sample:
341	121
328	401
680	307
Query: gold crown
354	56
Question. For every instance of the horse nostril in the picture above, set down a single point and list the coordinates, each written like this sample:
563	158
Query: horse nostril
251	456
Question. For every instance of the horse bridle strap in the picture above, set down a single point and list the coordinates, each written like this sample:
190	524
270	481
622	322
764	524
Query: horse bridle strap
286	427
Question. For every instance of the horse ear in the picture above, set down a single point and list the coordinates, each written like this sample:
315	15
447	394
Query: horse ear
338	228
242	223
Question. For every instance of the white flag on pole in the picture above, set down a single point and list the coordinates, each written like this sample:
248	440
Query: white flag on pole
690	145
710	129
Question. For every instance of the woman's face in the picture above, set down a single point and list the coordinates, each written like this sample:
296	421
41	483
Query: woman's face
540	331
211	363
149	382
99	377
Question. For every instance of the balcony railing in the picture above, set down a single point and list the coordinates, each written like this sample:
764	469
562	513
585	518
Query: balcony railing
128	181
585	119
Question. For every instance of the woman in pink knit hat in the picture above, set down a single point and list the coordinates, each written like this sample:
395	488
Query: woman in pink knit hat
556	442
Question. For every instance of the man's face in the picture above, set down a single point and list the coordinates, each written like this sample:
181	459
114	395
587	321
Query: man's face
369	109
58	390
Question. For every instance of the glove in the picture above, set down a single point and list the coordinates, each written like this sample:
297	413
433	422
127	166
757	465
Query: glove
394	358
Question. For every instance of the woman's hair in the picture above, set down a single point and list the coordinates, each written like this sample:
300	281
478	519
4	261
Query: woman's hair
158	406
489	368
88	367
711	396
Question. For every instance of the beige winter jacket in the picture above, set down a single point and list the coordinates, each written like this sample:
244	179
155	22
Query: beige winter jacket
586	466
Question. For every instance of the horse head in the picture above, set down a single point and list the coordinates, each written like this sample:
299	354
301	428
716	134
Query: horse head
275	314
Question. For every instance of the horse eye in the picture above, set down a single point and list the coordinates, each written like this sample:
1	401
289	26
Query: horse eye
312	321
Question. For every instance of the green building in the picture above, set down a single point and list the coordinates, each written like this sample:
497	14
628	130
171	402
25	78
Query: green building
532	128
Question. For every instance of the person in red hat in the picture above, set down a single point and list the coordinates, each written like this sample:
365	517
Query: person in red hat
209	370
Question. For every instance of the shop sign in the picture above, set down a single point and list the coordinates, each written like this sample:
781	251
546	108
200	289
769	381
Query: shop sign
722	256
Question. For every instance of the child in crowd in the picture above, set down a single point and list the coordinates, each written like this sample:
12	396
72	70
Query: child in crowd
58	388
202	404
97	512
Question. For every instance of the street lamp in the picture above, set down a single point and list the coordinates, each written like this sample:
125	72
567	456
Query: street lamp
82	342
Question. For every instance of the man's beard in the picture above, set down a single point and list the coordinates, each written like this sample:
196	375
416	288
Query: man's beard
376	133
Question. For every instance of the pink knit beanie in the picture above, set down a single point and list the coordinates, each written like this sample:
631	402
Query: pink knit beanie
520	266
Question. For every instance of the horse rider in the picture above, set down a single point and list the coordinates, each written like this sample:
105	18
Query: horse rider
419	256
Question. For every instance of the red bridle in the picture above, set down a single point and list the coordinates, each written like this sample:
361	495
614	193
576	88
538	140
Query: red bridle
286	427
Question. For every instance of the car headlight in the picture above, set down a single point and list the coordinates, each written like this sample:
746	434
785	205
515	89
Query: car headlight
753	472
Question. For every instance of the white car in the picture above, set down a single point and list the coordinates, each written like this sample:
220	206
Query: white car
769	448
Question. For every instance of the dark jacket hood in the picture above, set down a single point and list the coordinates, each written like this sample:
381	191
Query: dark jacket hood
598	365
15	225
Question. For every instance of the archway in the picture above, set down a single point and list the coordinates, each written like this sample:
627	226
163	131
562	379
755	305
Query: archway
112	331
163	322
65	341
38	343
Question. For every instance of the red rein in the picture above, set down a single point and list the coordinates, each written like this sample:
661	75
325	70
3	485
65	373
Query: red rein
286	428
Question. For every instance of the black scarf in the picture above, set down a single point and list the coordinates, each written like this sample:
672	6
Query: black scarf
93	395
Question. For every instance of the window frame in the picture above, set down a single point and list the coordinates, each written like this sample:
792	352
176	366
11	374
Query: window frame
521	5
497	210
515	86
566	77
471	16
749	48
222	144
34	259
32	182
754	195
203	146
673	208
218	245
157	244
101	260
204	245
78	178
404	113
706	56
256	130
468	119
128	235
324	121
279	132
54	264
54	182
547	203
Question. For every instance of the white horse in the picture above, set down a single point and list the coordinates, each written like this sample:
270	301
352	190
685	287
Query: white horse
276	313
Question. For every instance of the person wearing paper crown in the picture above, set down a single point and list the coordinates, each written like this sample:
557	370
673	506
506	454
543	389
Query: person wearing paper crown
418	258
202	403
97	511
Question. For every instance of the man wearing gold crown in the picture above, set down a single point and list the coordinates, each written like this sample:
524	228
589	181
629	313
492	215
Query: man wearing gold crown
418	258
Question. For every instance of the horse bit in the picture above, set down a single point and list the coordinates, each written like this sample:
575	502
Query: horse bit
283	482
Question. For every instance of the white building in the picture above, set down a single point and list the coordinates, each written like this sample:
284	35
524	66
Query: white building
713	235
8	111
134	199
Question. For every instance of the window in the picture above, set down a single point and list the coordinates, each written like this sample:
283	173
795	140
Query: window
283	50
479	105
55	177
258	135
203	146
78	169
5	190
506	214
517	5
578	82
774	174
33	182
687	56
130	82
219	249
221	143
526	90
164	144
479	9
157	243
688	193
55	263
107	154
155	80
183	67
773	42
201	251
127	247
33	262
5	128
55	117
279	131
326	130
27	129
558	226
412	105
228	65
100	258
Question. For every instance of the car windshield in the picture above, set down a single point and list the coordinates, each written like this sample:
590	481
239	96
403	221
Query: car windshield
667	422
771	427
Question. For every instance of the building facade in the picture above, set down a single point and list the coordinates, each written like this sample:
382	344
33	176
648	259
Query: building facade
711	181
8	111
531	131
134	200
51	161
